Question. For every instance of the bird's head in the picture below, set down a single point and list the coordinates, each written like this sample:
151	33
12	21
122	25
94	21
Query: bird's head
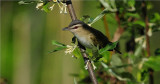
75	26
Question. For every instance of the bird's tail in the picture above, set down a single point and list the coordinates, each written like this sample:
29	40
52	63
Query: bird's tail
117	51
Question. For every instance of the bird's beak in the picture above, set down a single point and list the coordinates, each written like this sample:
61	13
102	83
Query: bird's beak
65	29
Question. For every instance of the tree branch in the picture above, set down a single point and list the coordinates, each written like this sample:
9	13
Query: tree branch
90	68
144	11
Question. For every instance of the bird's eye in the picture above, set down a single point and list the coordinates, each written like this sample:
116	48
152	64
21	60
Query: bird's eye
75	27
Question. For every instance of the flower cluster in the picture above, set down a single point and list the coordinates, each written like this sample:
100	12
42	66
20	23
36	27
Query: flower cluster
50	5
70	49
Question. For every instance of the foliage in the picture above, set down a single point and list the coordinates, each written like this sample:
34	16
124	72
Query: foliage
133	65
138	62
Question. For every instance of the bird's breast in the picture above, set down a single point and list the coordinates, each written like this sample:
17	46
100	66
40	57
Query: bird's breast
85	40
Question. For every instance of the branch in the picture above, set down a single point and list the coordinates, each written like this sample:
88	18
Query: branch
119	30
73	17
106	24
144	11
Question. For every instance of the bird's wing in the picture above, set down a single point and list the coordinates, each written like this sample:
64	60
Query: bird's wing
93	39
100	38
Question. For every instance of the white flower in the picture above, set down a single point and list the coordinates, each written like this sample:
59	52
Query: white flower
150	32
139	39
94	67
51	8
86	66
39	5
63	7
70	49
144	44
54	0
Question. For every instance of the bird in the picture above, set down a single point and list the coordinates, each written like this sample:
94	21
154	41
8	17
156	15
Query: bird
88	36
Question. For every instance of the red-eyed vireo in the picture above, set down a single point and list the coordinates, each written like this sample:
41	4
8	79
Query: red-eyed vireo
88	36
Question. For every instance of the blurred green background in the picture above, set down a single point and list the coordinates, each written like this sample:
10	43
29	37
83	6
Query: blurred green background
26	36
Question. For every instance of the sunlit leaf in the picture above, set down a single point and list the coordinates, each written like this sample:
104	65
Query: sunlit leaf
149	6
113	73
58	48
153	62
141	23
57	43
135	15
116	61
112	2
46	7
87	19
105	3
75	81
138	51
76	52
131	2
109	46
107	9
105	57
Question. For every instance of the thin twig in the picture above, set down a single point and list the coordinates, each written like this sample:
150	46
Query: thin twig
90	68
119	30
106	25
144	10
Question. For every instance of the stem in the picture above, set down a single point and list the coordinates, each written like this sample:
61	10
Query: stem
144	11
106	25
73	17
119	30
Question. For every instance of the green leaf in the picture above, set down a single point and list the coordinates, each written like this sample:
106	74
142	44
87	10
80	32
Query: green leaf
105	57
57	43
116	61
157	15
157	52
46	7
74	74
106	10
135	15
138	51
58	48
131	3
76	52
75	81
127	75
141	23
109	46
113	73
112	3
87	19
105	3
153	62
